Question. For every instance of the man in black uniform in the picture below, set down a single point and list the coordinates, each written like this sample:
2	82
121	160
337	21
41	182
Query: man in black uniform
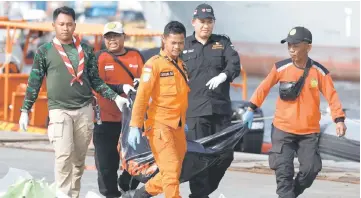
212	65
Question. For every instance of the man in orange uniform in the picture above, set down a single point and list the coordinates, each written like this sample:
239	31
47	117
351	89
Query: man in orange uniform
296	125
118	67
164	80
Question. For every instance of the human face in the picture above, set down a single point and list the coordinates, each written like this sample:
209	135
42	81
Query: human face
173	44
203	27
299	51
114	42
64	27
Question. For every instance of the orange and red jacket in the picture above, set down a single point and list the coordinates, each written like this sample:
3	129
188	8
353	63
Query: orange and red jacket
113	74
168	90
301	116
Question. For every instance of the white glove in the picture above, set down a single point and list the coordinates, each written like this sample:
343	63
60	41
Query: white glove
24	121
120	101
127	88
216	81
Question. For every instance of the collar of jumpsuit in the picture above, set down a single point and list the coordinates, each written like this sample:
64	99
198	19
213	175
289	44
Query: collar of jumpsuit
164	54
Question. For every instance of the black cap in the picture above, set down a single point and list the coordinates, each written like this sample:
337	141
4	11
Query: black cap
204	11
297	35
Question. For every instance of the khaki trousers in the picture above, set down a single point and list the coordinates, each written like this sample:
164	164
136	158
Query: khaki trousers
70	132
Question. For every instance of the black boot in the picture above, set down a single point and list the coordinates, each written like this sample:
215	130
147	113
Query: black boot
138	193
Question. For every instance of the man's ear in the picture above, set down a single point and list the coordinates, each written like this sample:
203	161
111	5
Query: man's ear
193	22
309	47
163	39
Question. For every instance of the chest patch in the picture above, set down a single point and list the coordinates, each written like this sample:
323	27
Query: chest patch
314	83
166	74
109	67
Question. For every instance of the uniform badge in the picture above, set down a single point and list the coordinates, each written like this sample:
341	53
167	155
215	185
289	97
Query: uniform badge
314	83
147	68
146	77
111	26
293	32
217	45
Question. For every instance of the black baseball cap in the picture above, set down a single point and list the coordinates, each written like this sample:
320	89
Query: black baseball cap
298	34
204	11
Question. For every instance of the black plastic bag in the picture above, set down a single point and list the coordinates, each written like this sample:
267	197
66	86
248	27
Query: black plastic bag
201	154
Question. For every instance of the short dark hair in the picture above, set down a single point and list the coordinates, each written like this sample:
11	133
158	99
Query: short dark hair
65	10
174	27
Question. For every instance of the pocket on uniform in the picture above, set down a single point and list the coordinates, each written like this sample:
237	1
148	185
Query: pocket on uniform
217	59
160	138
56	128
274	154
189	56
168	86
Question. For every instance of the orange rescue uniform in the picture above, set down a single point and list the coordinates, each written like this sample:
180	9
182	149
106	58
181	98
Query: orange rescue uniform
164	127
301	116
114	74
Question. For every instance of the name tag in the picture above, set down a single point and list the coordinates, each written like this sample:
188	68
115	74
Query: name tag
166	74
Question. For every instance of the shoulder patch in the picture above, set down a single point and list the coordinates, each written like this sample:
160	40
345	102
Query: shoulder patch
320	68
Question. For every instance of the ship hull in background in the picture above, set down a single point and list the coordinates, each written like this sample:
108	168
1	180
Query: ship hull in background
256	29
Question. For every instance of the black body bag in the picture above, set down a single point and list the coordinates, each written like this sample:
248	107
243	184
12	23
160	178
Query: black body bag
291	90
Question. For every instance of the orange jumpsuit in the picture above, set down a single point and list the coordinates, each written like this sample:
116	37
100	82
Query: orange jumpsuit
164	127
301	116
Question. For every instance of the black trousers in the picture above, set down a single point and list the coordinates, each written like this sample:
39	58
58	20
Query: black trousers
284	147
107	159
207	181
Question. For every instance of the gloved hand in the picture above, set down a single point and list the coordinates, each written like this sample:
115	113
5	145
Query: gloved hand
216	81
24	121
121	101
127	88
134	137
248	118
